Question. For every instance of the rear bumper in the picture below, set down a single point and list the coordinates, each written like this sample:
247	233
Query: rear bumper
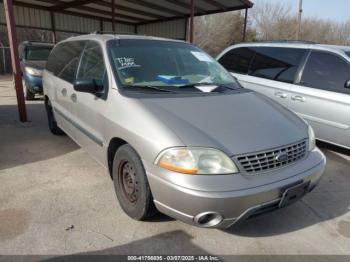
233	206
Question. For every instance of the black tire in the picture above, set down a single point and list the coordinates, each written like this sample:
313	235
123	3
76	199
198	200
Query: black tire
29	95
52	121
131	184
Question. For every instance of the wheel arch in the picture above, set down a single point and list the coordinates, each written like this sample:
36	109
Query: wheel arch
114	144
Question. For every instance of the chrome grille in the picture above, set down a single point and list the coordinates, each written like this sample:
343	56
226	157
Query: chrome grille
273	159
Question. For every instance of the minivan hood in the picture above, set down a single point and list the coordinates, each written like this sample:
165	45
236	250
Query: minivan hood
235	123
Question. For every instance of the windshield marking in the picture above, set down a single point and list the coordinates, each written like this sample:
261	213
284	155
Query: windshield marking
126	62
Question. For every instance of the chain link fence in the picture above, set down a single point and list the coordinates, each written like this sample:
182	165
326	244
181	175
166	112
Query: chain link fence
5	60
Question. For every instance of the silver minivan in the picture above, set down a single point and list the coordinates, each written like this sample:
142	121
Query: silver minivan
310	79
175	130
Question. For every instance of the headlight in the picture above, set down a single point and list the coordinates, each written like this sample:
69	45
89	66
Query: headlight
196	161
34	71
312	139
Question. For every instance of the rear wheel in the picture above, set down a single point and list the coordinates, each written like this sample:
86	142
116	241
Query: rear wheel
131	184
51	120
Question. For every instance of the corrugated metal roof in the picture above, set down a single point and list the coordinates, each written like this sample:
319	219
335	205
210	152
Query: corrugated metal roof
135	11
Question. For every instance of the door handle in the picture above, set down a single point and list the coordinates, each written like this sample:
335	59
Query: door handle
298	98
281	95
64	91
73	97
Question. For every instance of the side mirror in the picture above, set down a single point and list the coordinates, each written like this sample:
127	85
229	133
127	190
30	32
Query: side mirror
347	84
86	86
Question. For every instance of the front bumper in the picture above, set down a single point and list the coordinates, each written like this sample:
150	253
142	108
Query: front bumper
177	195
33	83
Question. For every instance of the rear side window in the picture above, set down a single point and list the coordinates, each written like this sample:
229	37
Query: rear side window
275	63
237	60
326	71
64	60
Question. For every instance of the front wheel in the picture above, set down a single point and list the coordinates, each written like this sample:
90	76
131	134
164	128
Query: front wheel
131	184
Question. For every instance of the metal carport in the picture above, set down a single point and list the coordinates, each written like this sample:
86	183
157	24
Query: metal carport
166	18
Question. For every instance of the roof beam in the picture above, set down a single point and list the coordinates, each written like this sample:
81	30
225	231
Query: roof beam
66	5
159	8
39	7
128	9
247	3
98	11
186	6
146	9
236	8
216	4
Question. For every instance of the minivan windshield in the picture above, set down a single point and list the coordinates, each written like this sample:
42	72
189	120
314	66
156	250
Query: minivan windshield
165	65
37	53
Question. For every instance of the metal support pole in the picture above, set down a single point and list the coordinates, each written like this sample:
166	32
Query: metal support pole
3	56
101	25
192	22
186	30
53	27
300	12
245	25
11	30
113	15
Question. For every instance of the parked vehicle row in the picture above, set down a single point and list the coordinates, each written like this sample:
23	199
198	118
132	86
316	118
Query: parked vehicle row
310	79
176	131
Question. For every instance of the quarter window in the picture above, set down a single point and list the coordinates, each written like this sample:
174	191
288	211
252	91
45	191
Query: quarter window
237	60
326	71
276	63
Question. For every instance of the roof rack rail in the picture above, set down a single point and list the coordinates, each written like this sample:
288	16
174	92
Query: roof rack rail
288	41
98	32
36	42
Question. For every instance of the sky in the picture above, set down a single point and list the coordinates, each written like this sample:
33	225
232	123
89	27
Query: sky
338	10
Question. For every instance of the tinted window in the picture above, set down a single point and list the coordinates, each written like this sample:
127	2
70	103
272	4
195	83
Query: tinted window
64	59
275	63
92	64
326	71
37	53
348	53
237	60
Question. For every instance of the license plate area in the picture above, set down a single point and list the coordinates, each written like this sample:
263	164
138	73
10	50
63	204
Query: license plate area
294	193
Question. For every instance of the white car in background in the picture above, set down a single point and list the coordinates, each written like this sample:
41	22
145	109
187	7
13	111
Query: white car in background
310	79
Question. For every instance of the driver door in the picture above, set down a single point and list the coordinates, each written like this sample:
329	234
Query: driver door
89	108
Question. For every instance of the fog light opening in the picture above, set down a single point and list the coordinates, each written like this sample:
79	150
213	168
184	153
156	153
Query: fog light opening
208	219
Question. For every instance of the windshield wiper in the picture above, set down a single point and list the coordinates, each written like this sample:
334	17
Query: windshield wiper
207	84
158	88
